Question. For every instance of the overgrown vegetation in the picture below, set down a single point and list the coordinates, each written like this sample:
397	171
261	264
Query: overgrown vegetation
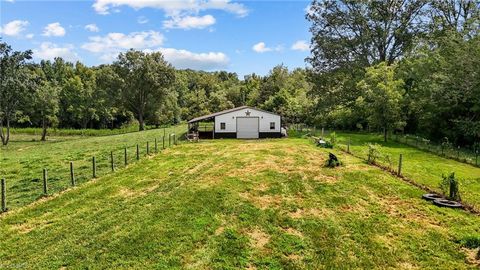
405	66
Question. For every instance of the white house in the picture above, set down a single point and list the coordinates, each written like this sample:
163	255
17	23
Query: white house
243	122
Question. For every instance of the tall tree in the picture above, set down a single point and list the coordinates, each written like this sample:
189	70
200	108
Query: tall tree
146	78
361	33
15	85
382	97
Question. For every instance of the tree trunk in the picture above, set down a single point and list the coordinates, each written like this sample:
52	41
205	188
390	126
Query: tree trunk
5	136
385	134
140	122
44	129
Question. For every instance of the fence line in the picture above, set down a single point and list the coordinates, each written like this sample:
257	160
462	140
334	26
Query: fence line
94	168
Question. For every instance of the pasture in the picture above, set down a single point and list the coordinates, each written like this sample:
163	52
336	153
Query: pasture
422	167
23	160
222	204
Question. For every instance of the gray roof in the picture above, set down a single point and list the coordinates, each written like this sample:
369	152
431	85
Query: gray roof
208	116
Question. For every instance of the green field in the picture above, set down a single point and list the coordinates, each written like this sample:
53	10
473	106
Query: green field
423	167
24	158
264	204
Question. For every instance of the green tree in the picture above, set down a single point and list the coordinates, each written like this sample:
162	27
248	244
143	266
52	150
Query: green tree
15	86
146	78
45	101
382	97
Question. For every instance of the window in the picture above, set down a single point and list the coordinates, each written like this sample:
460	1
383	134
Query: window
222	126
272	125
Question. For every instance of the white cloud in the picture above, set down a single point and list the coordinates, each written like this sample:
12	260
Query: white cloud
190	22
14	28
261	47
113	43
173	7
183	59
54	29
300	45
92	27
49	51
29	36
142	20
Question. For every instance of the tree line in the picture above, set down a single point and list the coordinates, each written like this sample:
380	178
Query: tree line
398	65
406	66
137	89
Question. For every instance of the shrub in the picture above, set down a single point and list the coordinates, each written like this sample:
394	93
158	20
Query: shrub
332	161
373	153
450	186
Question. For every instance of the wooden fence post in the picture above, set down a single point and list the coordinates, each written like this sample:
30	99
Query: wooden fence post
174	138
45	176
111	161
4	195
322	131
94	167
125	156
476	157
148	149
138	152
156	146
163	139
400	165
72	174
169	139
348	145
458	152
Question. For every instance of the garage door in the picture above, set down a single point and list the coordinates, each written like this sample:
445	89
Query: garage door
247	127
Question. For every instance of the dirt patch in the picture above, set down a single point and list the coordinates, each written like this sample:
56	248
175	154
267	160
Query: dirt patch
473	256
258	238
311	212
263	202
134	193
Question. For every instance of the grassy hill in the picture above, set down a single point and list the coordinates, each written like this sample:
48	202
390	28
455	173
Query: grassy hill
24	158
222	204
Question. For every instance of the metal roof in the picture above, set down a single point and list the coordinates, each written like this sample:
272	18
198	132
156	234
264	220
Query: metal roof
200	118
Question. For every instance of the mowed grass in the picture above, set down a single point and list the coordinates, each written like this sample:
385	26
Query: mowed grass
23	159
423	167
224	204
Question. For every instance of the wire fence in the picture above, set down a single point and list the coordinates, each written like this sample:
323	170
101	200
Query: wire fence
448	150
79	168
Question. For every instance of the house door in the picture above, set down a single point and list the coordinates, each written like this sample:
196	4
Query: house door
247	127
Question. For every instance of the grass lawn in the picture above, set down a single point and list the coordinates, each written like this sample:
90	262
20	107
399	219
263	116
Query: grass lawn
24	158
422	167
263	204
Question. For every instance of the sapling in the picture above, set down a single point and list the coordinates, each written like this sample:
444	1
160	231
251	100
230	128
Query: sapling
450	187
373	153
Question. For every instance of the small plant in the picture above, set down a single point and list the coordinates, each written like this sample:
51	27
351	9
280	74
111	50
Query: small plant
333	138
450	187
332	161
373	153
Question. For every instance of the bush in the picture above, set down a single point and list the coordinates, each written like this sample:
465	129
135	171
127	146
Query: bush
332	161
373	153
450	187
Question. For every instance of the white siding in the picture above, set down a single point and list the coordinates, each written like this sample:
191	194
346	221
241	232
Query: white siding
230	120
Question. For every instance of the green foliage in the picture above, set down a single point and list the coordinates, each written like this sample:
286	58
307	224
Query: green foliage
373	153
382	97
333	138
332	161
450	186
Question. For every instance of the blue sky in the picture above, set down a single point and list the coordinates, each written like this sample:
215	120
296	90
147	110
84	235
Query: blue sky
238	36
